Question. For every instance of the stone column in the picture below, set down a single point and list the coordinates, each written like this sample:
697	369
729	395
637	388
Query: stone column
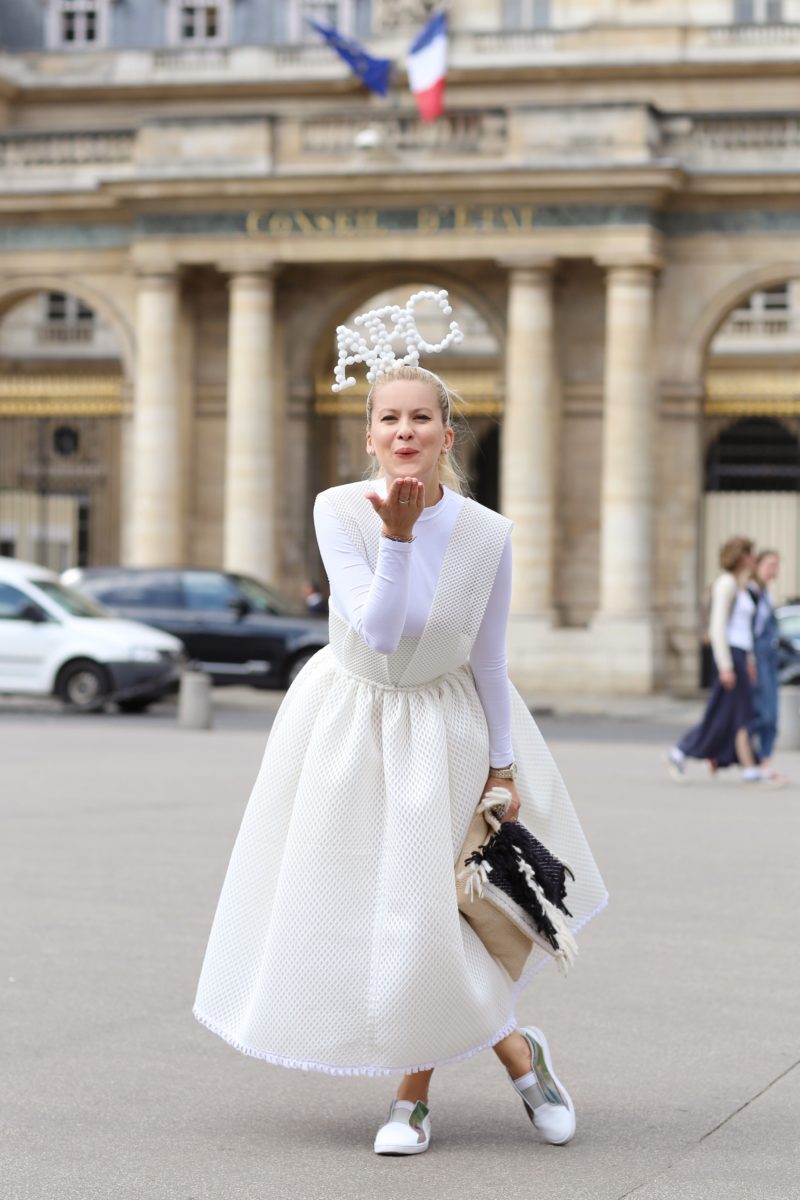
529	439
626	543
250	477
156	527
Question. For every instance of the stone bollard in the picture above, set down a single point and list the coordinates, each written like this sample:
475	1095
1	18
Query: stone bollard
788	718
195	710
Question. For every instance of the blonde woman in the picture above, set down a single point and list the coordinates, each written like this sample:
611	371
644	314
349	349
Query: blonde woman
337	944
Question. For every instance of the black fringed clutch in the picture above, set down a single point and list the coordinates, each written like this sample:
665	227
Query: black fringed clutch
512	890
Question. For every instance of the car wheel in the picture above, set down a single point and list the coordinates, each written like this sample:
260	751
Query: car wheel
141	704
299	663
83	684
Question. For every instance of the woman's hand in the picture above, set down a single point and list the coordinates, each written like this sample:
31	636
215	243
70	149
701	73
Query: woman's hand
727	679
752	672
512	808
404	502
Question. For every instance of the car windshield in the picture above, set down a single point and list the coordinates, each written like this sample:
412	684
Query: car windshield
263	599
72	602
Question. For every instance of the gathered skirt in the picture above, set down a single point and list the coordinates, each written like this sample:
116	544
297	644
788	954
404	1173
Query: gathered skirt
337	943
727	711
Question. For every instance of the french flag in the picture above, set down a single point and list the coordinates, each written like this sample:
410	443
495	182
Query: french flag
427	67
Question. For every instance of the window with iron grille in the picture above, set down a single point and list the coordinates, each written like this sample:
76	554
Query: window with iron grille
63	309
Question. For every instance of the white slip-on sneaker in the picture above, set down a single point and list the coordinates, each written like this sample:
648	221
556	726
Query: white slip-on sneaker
408	1130
547	1102
676	764
767	779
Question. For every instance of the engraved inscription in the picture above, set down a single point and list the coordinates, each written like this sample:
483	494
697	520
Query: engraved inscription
458	218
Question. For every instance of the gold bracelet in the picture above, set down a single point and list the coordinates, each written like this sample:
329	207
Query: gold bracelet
509	772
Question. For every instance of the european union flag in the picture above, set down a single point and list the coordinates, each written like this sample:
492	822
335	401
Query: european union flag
374	72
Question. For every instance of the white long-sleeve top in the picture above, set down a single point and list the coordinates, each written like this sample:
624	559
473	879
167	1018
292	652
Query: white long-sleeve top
396	600
731	620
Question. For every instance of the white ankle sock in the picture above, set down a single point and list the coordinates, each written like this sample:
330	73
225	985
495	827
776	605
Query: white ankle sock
525	1081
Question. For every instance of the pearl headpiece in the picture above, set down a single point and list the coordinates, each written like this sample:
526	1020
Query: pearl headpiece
383	327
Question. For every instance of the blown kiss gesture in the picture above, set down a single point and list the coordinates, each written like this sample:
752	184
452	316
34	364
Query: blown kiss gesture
403	504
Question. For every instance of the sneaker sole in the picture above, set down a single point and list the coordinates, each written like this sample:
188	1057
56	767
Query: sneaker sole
400	1151
542	1040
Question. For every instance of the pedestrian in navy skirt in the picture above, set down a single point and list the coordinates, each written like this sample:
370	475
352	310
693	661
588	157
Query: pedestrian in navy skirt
723	737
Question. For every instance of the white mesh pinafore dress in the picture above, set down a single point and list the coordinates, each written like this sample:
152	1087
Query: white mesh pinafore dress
337	943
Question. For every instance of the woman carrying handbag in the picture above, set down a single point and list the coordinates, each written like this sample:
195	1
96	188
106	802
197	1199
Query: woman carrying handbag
338	944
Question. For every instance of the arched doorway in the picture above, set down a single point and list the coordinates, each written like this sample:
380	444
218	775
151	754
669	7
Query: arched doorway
61	400
751	430
472	369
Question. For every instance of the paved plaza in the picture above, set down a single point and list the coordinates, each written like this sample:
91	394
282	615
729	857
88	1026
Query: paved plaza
678	1032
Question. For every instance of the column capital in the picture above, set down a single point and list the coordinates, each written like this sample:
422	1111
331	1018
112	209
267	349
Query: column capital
639	269
154	262
250	267
157	281
539	267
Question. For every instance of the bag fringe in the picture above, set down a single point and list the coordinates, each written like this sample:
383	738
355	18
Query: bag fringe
567	950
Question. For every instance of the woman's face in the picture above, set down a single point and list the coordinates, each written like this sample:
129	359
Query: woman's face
406	433
747	564
768	568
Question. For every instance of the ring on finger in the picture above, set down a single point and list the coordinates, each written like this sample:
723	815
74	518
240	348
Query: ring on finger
404	501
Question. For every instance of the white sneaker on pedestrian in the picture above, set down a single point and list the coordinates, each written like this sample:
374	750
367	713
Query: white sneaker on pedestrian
676	764
407	1131
767	779
547	1102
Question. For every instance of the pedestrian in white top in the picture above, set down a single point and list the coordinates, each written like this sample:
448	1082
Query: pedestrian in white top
722	736
337	943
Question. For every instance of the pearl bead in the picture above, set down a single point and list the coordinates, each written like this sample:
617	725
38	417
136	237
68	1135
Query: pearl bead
384	327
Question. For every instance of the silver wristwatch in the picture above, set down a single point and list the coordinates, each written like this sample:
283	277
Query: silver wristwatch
509	772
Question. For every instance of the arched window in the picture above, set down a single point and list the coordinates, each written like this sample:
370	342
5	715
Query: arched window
756	454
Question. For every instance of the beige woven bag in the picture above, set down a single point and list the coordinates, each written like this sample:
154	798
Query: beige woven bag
505	928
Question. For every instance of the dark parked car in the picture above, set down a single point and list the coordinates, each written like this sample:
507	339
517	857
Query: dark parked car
234	628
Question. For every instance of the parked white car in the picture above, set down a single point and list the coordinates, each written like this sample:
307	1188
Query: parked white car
54	641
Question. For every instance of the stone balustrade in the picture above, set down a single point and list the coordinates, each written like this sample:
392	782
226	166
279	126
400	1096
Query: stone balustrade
483	133
771	34
32	150
731	141
564	137
583	47
192	58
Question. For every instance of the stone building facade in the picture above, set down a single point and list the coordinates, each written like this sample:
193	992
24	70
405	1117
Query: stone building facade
611	180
